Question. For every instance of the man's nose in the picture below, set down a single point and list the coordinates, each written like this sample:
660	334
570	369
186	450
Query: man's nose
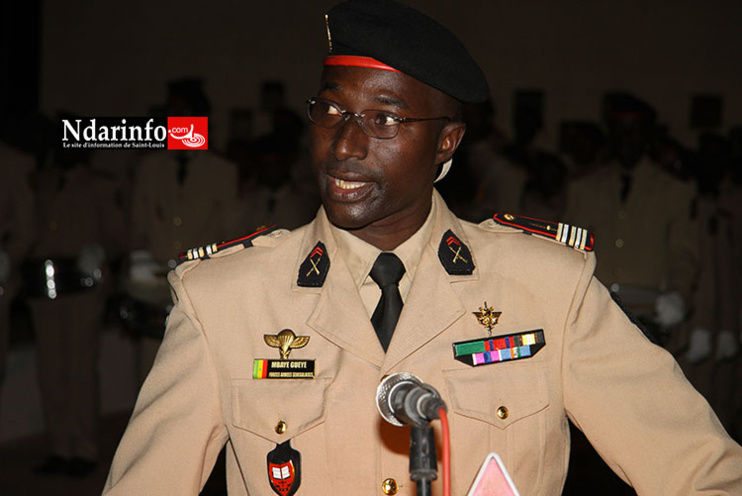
350	140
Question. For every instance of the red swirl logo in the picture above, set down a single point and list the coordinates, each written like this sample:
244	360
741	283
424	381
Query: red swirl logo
188	133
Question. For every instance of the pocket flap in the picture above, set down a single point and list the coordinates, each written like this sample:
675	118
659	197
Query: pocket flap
498	397
259	405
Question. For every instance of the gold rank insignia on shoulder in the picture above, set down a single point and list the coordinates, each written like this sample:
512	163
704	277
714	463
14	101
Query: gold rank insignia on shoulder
573	236
205	252
487	317
285	341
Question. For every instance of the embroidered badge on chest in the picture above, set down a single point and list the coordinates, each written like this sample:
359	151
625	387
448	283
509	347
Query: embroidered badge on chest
284	469
455	255
285	341
499	348
314	268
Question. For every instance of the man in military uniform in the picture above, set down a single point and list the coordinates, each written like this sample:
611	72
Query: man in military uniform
642	220
180	199
325	299
79	226
710	360
16	232
276	199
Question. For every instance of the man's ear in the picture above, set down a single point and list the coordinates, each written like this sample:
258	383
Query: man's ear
449	140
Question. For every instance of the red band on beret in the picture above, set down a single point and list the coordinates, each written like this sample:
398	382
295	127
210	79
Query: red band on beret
357	61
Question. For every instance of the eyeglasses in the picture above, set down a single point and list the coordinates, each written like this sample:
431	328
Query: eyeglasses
380	124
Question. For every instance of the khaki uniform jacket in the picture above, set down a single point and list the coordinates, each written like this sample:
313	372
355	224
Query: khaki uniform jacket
627	394
649	241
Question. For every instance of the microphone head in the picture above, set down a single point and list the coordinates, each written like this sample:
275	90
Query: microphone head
387	387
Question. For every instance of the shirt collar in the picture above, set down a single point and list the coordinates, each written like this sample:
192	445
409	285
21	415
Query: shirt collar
360	256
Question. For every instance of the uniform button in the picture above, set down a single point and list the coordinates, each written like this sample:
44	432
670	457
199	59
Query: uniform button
53	225
619	243
503	412
177	221
281	427
618	272
389	486
176	245
622	214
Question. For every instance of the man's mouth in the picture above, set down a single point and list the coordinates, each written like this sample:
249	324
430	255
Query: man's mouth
345	190
340	183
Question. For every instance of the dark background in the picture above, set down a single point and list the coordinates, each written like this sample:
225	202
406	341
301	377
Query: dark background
114	58
105	58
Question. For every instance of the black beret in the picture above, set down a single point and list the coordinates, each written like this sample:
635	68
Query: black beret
192	91
409	41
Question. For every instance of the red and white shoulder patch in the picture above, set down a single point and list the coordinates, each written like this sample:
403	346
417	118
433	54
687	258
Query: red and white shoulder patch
207	251
565	234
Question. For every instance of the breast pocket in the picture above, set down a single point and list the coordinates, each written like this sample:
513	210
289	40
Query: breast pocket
278	410
500	397
500	408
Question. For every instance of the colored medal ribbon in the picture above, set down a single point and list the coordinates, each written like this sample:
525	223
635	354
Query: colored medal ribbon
499	348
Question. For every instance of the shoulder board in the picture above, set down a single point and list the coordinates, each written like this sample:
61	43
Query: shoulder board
205	252
573	236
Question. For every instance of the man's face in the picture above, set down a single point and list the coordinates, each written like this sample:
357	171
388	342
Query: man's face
630	136
381	189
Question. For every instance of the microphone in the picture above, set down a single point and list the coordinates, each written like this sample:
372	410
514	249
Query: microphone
402	398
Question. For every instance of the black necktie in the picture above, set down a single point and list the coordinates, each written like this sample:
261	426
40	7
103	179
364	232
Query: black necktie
387	272
625	187
182	160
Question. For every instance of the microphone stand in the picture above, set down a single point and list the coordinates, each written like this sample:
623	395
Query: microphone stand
423	460
403	398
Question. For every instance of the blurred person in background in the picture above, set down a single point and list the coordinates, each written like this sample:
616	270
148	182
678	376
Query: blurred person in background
641	217
544	195
710	361
275	199
16	227
583	147
484	180
181	199
78	228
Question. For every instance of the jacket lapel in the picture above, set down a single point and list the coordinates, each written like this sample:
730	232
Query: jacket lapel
432	305
339	315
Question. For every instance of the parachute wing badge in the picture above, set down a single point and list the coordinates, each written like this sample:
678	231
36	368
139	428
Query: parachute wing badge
285	341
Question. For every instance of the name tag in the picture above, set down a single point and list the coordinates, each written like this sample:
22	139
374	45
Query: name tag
264	368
